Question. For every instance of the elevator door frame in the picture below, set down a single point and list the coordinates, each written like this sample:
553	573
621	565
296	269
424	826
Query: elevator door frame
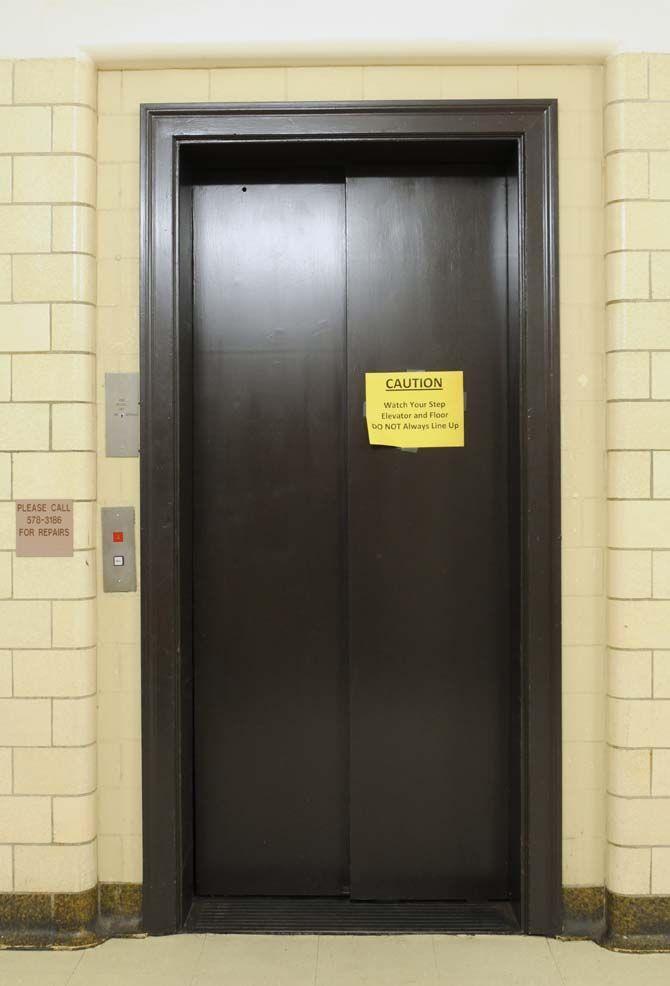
165	316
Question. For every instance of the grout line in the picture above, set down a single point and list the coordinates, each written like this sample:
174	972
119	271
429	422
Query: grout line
628	599
637	101
42	845
61	698
64	599
615	301
612	253
632	200
626	749
633	301
637	400
67	253
632	698
49	154
71	301
78	794
638	797
88	746
59	352
47	401
55	650
634	499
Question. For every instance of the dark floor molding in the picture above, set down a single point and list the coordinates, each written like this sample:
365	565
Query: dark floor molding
639	924
584	912
76	920
119	909
111	910
623	923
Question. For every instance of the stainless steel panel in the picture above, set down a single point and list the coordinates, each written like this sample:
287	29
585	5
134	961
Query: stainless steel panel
122	414
118	549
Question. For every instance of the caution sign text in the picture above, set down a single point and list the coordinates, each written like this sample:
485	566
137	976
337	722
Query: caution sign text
415	410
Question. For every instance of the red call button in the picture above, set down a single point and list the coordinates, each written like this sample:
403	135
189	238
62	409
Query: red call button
117	536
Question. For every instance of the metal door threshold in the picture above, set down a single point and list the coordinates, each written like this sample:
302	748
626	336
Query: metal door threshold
333	916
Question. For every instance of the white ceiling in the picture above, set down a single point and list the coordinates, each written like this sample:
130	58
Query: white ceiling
124	32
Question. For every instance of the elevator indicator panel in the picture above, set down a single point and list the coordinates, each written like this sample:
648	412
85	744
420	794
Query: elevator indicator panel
122	414
415	409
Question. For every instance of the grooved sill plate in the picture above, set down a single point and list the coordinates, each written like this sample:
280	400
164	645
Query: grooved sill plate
318	915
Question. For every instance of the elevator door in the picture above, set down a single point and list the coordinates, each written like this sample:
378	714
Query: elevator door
269	608
351	603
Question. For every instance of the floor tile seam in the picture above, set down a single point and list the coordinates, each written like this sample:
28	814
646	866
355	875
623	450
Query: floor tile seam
196	968
548	943
75	967
436	967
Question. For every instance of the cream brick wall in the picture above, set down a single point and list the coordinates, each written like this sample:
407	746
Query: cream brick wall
48	441
637	134
579	90
47	403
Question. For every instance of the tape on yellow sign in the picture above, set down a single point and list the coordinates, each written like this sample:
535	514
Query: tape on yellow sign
415	410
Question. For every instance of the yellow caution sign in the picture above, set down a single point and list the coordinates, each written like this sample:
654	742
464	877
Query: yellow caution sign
415	410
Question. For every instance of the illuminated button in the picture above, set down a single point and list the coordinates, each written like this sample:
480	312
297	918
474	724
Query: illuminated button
117	536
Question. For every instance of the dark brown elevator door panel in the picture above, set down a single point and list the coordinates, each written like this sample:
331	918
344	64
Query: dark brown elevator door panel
270	692
429	584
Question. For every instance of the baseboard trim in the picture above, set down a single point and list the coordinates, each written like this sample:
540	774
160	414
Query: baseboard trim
638	924
617	921
77	920
112	910
584	912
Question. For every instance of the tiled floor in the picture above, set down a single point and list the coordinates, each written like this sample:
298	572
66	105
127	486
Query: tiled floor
398	960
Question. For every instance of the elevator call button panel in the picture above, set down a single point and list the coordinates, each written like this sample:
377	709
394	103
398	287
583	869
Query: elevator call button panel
118	549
